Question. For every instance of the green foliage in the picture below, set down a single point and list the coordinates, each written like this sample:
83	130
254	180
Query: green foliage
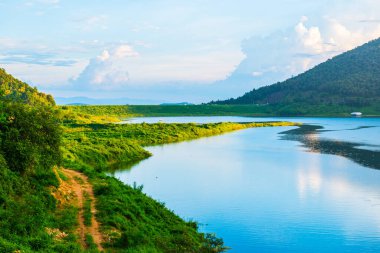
101	110
14	90
92	114
29	148
115	146
65	218
30	138
137	223
124	111
91	246
132	221
213	243
197	110
292	109
87	214
350	80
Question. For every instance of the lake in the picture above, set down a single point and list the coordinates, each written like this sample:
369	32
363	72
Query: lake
280	189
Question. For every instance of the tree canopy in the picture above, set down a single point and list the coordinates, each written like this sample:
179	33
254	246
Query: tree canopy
12	89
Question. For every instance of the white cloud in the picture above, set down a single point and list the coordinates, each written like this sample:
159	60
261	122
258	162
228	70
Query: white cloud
310	38
106	71
124	51
31	52
122	68
192	48
336	37
285	53
343	38
31	73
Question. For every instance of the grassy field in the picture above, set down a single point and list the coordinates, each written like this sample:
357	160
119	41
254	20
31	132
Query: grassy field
105	146
124	111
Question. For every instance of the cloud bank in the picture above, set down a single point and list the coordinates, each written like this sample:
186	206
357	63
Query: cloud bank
287	53
34	57
107	71
268	59
82	49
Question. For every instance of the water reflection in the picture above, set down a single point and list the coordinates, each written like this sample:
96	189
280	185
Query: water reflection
309	136
265	194
309	178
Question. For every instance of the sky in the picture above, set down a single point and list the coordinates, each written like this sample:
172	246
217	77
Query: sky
153	51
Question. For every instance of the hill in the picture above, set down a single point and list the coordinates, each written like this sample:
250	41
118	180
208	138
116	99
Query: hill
14	90
45	208
30	140
349	81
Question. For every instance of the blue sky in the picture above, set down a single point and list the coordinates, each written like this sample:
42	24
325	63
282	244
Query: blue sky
174	50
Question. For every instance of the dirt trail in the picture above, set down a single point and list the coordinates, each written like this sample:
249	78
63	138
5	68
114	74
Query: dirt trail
80	185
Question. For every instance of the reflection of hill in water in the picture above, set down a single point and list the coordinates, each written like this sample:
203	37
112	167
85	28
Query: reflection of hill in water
309	136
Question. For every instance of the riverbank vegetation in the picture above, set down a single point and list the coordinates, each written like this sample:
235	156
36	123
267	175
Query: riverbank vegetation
103	146
30	217
259	110
131	219
37	209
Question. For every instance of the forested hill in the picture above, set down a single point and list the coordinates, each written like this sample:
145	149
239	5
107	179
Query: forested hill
351	79
29	148
14	90
40	205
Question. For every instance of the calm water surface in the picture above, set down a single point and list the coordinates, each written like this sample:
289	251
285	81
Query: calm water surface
262	190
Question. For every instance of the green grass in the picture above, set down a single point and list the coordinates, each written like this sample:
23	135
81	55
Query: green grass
62	175
105	146
122	112
197	110
35	139
91	246
101	110
33	142
132	221
30	140
87	214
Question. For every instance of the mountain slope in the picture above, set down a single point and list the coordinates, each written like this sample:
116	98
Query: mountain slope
30	138
351	79
43	210
14	90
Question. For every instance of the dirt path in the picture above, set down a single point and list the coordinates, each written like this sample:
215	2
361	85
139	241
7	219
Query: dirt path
80	185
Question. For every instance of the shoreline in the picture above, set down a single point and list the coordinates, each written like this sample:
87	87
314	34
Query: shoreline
103	141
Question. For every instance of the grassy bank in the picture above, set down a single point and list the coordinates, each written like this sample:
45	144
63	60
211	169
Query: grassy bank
36	215
40	205
132	221
31	218
123	111
104	146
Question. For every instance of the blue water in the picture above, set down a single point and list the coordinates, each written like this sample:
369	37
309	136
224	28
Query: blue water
261	193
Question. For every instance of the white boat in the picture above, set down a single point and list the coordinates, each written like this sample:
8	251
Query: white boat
356	114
